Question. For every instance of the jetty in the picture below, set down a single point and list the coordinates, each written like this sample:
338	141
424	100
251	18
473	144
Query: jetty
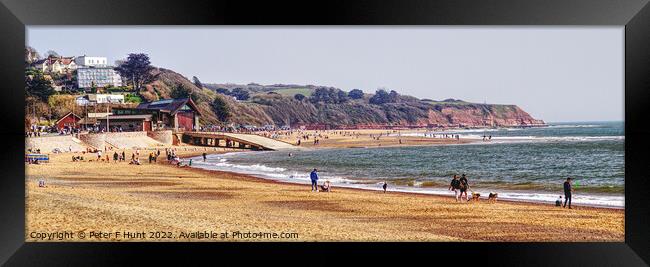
234	140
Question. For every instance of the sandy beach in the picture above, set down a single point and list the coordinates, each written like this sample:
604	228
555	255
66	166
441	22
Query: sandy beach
364	138
182	203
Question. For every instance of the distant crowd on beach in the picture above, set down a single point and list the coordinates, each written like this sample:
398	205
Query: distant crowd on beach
117	156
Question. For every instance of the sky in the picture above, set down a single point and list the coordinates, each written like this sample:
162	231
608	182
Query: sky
557	74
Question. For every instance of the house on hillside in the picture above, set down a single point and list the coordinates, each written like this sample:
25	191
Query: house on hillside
68	121
180	114
57	65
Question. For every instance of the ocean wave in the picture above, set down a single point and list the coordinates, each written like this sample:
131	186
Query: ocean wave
558	138
254	167
531	138
437	133
575	126
276	173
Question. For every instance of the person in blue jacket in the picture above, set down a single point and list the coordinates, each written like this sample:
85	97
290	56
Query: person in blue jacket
314	180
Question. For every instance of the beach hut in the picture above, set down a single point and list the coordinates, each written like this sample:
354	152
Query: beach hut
69	121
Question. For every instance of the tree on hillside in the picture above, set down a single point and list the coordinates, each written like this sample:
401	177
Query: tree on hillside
393	97
223	91
31	55
196	82
181	91
341	96
380	97
62	104
321	94
355	94
221	109
240	94
328	95
136	69
299	97
36	85
51	53
35	108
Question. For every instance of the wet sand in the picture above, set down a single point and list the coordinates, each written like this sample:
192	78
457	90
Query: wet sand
118	197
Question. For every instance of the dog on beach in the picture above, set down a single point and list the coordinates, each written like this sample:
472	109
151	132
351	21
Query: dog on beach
493	197
476	196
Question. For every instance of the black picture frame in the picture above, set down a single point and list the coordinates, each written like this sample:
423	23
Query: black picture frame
634	15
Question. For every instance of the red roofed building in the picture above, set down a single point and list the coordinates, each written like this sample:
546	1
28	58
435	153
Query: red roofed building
68	121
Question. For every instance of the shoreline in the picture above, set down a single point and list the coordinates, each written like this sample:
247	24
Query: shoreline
252	177
402	191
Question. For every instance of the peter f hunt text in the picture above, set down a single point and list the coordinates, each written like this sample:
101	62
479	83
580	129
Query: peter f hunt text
156	235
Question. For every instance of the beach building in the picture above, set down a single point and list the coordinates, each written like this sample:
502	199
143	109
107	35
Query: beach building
118	123
88	77
106	98
180	114
92	99
92	119
68	121
127	123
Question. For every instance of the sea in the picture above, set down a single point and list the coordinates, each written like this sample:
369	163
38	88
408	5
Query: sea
520	164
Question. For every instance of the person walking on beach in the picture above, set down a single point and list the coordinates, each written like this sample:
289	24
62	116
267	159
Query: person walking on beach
567	192
455	186
385	186
464	186
115	156
205	156
314	180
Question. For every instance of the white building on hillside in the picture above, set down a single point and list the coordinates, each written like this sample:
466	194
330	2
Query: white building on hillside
92	99
87	61
99	77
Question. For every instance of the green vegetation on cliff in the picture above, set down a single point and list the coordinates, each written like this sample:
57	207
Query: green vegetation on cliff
295	105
